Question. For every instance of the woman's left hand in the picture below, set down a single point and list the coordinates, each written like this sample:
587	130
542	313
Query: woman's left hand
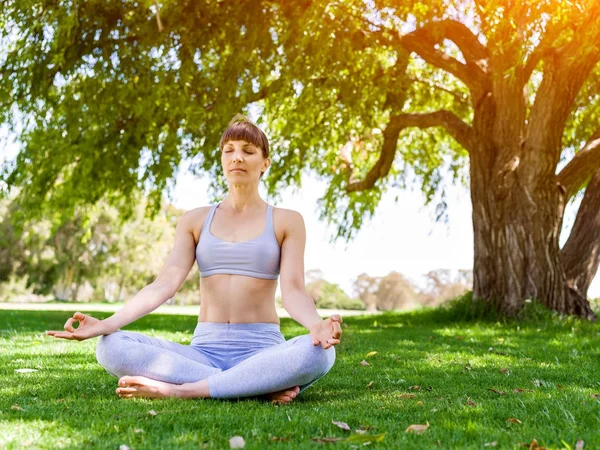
327	332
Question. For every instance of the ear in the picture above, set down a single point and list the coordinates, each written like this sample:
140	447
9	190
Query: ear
267	164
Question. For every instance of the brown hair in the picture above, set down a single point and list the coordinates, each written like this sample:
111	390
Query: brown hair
242	128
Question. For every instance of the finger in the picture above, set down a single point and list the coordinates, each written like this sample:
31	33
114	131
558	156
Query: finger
61	334
336	318
79	316
333	341
337	330
69	325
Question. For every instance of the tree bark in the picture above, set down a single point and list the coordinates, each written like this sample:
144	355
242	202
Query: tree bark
581	252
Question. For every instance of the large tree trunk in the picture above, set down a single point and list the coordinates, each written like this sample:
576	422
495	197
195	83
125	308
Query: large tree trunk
517	227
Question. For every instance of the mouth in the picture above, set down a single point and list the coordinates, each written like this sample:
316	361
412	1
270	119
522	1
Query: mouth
237	170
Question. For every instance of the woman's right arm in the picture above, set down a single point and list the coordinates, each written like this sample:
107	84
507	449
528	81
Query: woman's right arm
172	275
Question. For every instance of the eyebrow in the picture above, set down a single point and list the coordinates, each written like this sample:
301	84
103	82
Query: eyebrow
245	145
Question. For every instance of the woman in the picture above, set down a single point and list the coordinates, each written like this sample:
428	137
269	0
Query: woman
237	349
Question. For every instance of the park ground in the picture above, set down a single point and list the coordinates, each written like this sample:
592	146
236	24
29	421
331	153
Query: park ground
515	384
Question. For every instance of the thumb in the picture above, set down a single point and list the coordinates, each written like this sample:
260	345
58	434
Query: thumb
78	316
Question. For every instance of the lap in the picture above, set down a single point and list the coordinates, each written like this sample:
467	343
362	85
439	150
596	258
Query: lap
120	338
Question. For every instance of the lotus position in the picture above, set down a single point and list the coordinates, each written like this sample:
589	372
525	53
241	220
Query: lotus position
242	245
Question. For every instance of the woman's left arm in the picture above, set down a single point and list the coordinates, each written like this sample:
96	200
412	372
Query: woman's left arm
296	301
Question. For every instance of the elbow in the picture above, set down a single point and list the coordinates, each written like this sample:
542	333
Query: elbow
291	295
165	289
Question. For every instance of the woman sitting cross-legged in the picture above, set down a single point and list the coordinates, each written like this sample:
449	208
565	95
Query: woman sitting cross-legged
241	246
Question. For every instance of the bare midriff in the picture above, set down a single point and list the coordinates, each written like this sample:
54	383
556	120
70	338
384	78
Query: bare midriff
237	299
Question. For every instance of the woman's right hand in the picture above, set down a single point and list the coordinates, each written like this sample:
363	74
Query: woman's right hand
89	327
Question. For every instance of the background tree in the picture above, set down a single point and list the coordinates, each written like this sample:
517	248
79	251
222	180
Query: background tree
394	291
108	106
444	285
365	288
329	295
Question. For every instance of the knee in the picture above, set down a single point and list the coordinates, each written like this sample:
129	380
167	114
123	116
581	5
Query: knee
317	361
108	349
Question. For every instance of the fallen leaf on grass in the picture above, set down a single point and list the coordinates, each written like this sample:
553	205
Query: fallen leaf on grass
123	447
364	363
416	387
490	444
514	420
370	384
16	407
25	370
371	354
137	430
505	371
519	390
342	425
275	438
579	445
420	403
152	412
237	442
365	438
327	439
470	402
405	395
497	391
417	428
361	431
533	446
595	395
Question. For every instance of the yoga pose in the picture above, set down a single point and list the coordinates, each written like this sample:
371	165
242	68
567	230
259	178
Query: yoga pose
242	245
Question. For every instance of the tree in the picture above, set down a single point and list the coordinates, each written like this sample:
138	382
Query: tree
346	90
329	295
394	291
443	285
365	287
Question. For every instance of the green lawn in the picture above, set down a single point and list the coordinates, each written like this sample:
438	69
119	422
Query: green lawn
458	376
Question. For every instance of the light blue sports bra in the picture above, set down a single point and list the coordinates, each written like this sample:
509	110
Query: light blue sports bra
259	257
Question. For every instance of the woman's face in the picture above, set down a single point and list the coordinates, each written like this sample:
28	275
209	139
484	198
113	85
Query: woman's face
243	162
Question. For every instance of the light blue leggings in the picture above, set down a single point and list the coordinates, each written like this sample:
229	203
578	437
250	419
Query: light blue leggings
237	359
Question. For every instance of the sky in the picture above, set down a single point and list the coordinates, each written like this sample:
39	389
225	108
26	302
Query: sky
401	237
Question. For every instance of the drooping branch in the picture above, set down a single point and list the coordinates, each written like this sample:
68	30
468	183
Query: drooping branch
462	132
581	253
423	41
581	167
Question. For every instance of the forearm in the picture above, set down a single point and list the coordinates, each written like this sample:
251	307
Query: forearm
301	308
142	303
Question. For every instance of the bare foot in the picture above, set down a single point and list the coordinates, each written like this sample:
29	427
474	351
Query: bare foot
283	397
143	387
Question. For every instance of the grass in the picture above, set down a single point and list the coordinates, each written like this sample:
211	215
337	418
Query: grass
443	367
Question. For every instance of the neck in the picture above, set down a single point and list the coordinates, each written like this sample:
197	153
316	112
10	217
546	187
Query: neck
243	197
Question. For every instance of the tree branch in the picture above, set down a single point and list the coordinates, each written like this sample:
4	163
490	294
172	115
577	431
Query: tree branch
581	167
543	49
423	40
462	132
581	253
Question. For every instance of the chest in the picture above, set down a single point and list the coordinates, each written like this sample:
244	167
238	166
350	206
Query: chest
243	228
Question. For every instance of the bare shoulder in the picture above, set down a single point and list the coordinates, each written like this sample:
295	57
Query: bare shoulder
194	219
288	219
